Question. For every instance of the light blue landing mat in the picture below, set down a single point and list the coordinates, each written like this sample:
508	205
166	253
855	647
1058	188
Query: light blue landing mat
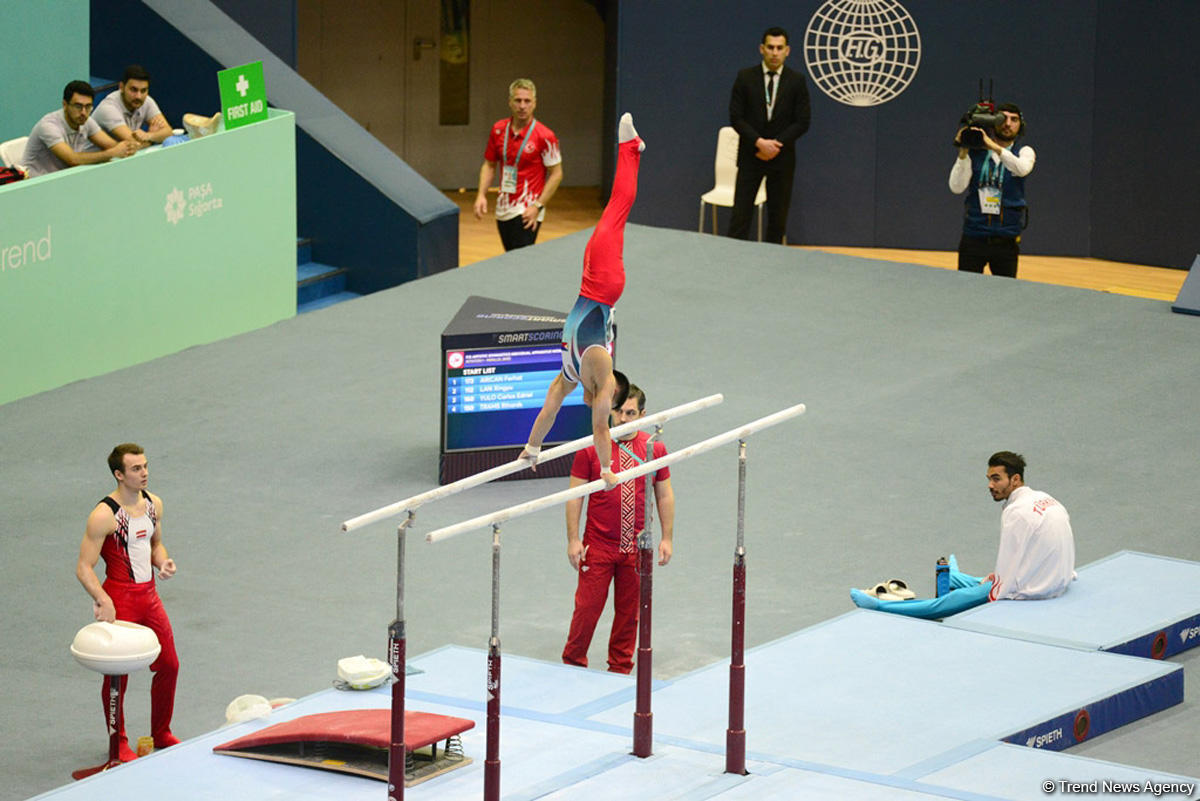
1012	771
864	705
835	693
1127	603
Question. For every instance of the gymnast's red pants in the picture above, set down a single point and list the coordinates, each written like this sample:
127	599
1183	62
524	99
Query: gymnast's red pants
604	255
605	563
139	603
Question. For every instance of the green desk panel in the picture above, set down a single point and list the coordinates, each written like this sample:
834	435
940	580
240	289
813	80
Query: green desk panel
111	265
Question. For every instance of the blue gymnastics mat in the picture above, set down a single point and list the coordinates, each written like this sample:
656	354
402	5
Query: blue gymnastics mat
1127	603
851	681
864	704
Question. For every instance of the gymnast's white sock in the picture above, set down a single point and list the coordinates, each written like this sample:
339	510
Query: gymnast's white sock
626	131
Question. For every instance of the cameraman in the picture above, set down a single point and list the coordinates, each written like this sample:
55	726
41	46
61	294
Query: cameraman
994	179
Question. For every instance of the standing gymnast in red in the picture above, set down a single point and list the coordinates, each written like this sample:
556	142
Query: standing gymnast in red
588	332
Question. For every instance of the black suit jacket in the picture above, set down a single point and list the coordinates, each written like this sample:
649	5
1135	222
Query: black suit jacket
748	115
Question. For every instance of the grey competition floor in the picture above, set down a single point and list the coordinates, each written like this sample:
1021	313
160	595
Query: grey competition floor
262	444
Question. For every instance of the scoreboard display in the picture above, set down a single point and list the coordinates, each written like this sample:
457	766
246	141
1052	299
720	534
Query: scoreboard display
493	395
498	359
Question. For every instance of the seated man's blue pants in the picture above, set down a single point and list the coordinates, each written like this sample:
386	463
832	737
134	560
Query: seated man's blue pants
966	592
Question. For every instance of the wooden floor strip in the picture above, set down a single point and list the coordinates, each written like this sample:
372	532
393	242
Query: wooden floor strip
575	208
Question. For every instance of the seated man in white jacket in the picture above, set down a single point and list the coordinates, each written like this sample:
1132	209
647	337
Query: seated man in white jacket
1036	557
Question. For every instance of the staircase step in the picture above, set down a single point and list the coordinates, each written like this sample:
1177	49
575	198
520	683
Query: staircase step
318	285
312	271
325	301
326	284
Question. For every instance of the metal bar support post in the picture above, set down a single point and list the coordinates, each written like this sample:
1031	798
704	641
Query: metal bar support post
735	735
398	658
113	714
491	764
643	718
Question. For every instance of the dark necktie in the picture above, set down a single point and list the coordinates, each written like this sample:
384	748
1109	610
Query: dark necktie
770	87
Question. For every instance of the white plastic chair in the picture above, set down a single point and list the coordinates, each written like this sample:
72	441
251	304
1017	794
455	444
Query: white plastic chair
725	174
12	151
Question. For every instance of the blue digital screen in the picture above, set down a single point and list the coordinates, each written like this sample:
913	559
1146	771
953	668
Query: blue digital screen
493	395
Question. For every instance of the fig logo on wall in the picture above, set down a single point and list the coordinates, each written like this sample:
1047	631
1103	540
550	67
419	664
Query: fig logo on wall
862	52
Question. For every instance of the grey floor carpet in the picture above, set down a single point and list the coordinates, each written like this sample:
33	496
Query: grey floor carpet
262	444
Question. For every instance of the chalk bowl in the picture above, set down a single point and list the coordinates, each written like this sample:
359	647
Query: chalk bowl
115	649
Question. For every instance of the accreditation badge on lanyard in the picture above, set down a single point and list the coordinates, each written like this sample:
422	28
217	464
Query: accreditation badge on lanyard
508	180
989	199
508	173
991	183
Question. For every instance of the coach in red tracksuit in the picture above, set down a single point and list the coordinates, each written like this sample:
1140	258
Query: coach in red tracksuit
608	552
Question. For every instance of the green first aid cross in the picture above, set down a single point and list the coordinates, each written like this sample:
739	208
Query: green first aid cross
243	95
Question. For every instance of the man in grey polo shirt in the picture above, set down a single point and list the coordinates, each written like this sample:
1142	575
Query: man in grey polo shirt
70	137
124	112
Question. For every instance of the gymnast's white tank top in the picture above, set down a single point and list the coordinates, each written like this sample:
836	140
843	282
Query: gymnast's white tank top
126	551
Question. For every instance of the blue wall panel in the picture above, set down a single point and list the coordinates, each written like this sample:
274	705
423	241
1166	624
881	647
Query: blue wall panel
272	22
877	176
1145	206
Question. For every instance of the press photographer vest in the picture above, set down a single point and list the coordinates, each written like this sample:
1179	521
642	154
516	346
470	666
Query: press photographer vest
1012	199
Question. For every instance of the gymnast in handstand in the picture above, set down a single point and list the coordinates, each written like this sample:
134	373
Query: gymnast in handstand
588	332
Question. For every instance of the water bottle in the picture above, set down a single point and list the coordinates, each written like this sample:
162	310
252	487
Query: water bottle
943	577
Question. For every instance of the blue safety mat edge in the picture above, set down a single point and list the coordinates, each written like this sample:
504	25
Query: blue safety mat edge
1103	715
1158	640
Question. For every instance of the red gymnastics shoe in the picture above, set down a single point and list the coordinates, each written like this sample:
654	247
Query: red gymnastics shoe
165	740
124	752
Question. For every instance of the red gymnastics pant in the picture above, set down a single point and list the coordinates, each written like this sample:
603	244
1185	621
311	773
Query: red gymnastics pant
603	258
139	603
605	563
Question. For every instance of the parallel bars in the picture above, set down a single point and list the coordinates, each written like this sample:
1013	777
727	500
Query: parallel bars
583	490
397	636
416	501
735	735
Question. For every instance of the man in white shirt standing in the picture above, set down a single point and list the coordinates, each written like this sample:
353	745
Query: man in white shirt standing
1036	558
124	113
993	176
70	137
